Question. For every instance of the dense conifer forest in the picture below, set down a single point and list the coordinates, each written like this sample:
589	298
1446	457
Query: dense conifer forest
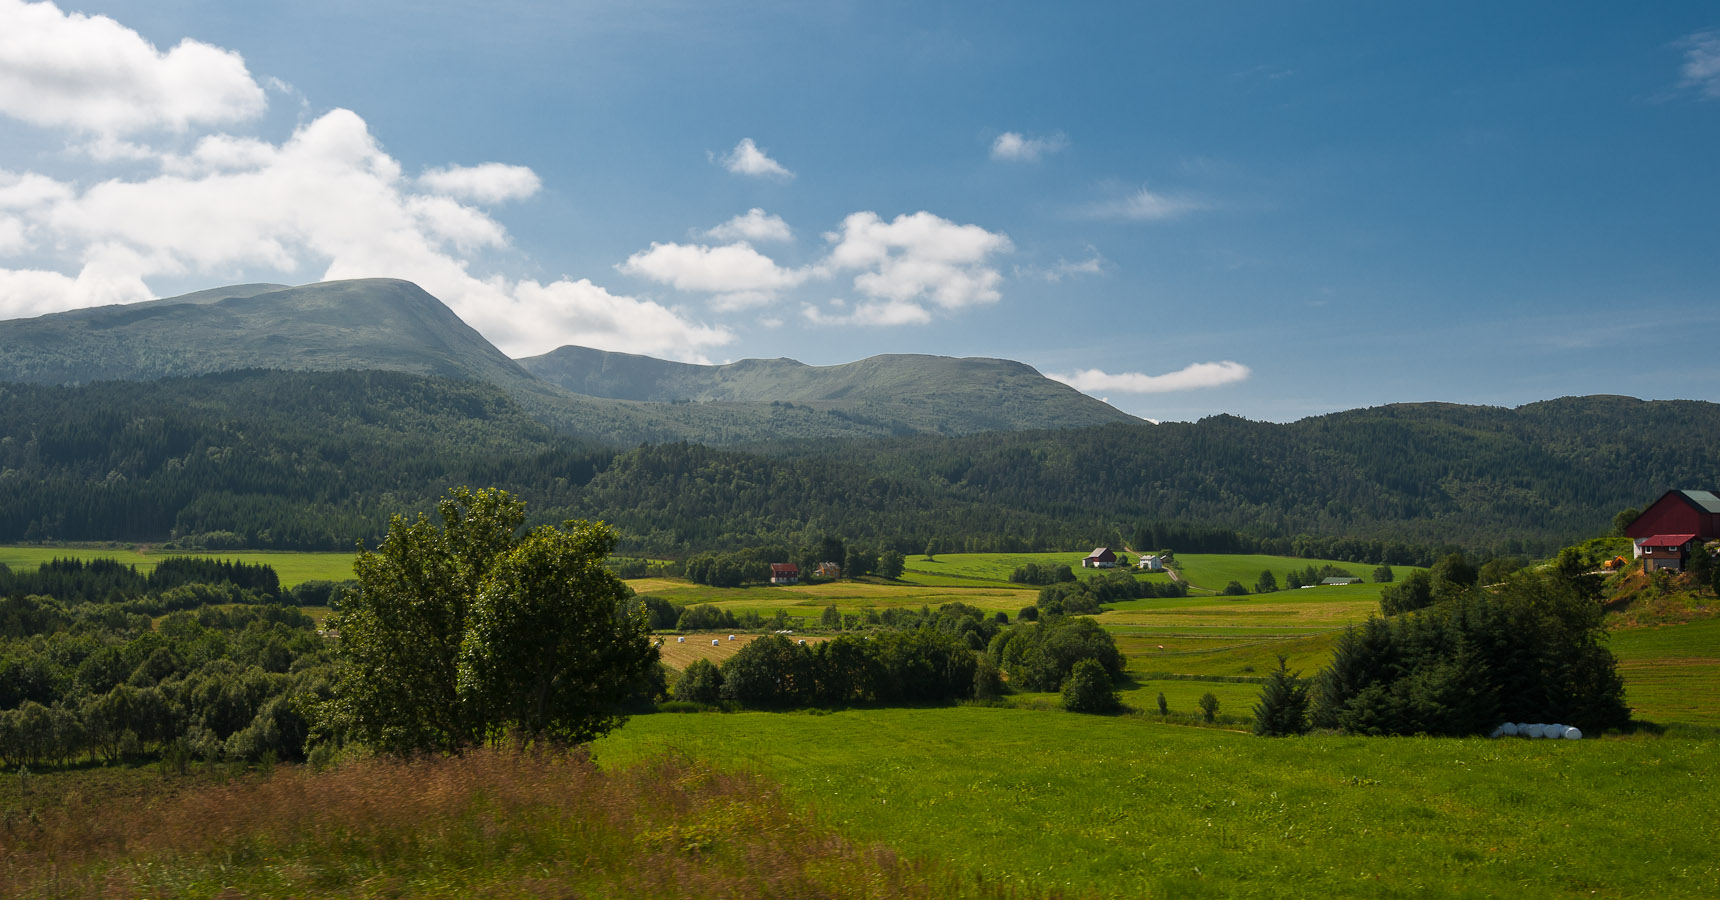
316	460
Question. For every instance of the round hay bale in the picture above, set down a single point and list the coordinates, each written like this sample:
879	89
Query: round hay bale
1534	731
1573	733
1509	729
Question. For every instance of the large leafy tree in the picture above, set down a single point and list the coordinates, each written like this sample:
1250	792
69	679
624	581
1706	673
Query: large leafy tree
464	631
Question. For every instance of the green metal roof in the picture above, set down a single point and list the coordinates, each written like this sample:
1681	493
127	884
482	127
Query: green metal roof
1703	500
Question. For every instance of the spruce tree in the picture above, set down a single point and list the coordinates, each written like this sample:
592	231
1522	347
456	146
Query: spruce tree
1283	706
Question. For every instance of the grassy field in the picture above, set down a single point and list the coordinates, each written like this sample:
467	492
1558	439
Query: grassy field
957	567
1672	672
1134	808
808	601
1203	571
293	568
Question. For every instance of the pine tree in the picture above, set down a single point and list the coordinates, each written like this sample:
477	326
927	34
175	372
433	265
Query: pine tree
1283	706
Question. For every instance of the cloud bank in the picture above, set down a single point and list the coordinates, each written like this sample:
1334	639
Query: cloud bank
1193	377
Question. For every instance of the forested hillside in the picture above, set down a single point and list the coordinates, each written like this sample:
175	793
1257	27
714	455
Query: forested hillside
314	461
929	394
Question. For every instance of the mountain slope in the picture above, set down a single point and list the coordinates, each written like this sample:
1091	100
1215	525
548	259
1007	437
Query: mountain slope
926	393
391	325
372	323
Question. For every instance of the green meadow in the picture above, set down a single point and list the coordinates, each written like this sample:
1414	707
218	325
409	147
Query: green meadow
1128	807
1672	672
293	567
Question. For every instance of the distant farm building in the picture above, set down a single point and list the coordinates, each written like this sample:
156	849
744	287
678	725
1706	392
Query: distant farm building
784	573
829	570
1100	558
1151	563
1695	513
1665	551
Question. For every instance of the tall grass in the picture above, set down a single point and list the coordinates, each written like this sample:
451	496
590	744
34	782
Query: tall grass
485	824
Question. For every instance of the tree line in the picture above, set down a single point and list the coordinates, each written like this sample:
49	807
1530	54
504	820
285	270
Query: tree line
311	460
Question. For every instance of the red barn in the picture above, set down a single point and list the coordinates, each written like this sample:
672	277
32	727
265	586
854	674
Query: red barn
1100	558
1678	512
784	573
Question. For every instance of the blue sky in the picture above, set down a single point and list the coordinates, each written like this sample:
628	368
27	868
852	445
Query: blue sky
1272	210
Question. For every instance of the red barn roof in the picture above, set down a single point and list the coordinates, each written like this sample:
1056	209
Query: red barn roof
1668	540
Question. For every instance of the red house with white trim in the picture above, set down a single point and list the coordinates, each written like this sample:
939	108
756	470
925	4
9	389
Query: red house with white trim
1665	551
784	573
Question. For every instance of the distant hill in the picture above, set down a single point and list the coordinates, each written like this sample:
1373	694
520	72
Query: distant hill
937	394
392	325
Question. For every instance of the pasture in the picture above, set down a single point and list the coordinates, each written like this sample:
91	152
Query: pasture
1671	672
293	568
807	601
1128	807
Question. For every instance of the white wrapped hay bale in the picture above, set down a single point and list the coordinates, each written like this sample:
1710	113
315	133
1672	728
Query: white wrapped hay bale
1573	733
1537	730
1509	729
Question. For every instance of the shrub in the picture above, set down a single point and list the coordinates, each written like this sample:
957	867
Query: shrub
1235	589
1164	707
1408	595
1208	707
1089	689
987	680
1038	656
702	682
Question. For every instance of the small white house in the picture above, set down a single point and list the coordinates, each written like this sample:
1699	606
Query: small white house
1151	562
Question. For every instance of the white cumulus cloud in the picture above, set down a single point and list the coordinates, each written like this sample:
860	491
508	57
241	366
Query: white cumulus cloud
739	275
490	182
753	225
748	159
1193	377
93	75
1141	205
326	203
918	257
1012	146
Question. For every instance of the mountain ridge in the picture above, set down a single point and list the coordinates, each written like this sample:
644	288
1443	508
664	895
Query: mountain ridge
394	325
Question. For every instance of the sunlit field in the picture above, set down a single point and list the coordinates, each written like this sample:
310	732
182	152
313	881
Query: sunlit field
1132	808
292	567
